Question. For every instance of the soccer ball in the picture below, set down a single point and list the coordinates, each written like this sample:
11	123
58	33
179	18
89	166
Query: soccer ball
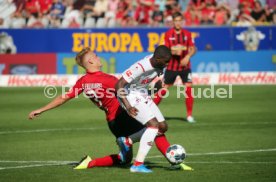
176	154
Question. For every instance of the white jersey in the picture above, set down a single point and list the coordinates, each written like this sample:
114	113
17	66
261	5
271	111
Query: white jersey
140	75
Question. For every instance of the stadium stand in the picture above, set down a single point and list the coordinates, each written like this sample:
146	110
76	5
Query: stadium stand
127	13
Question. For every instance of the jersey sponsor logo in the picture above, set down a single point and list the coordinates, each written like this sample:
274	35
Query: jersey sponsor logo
141	66
179	47
128	73
172	38
92	85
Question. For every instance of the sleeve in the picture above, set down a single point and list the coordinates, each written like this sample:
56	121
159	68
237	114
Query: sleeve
191	41
167	42
133	72
112	81
75	90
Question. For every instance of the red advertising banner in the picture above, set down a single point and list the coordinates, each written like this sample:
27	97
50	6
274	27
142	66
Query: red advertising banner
243	78
21	64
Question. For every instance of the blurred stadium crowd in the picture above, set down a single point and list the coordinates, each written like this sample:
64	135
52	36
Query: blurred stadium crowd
130	13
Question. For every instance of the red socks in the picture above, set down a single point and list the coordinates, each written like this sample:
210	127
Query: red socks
109	160
158	95
189	101
162	144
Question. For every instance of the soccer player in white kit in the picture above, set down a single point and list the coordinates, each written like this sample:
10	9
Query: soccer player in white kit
133	96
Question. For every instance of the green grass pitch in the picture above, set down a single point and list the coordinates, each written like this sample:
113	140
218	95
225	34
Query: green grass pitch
233	139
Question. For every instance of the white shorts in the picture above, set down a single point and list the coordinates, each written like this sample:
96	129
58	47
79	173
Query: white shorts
147	109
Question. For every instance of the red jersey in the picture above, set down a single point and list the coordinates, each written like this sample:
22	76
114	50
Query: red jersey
32	6
100	89
183	41
45	5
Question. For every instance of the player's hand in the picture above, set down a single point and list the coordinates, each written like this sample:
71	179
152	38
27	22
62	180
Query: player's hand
132	111
34	114
184	62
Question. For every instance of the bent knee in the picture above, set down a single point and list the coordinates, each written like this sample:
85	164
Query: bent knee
163	127
153	123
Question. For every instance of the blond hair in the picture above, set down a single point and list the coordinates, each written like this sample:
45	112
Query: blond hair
80	55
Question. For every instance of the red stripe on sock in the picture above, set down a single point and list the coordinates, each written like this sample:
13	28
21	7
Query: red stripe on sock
137	163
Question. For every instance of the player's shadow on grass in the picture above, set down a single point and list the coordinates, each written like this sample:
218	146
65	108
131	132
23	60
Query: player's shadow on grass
175	118
126	166
153	165
150	165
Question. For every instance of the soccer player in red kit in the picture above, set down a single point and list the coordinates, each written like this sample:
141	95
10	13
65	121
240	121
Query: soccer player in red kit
182	48
100	88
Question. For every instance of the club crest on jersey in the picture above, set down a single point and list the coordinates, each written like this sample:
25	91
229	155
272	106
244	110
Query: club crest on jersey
185	38
138	100
145	81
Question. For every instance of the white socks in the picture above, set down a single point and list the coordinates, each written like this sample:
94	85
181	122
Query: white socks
146	143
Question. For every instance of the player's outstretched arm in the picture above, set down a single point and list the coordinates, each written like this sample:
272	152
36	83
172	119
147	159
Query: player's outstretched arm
53	104
122	93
